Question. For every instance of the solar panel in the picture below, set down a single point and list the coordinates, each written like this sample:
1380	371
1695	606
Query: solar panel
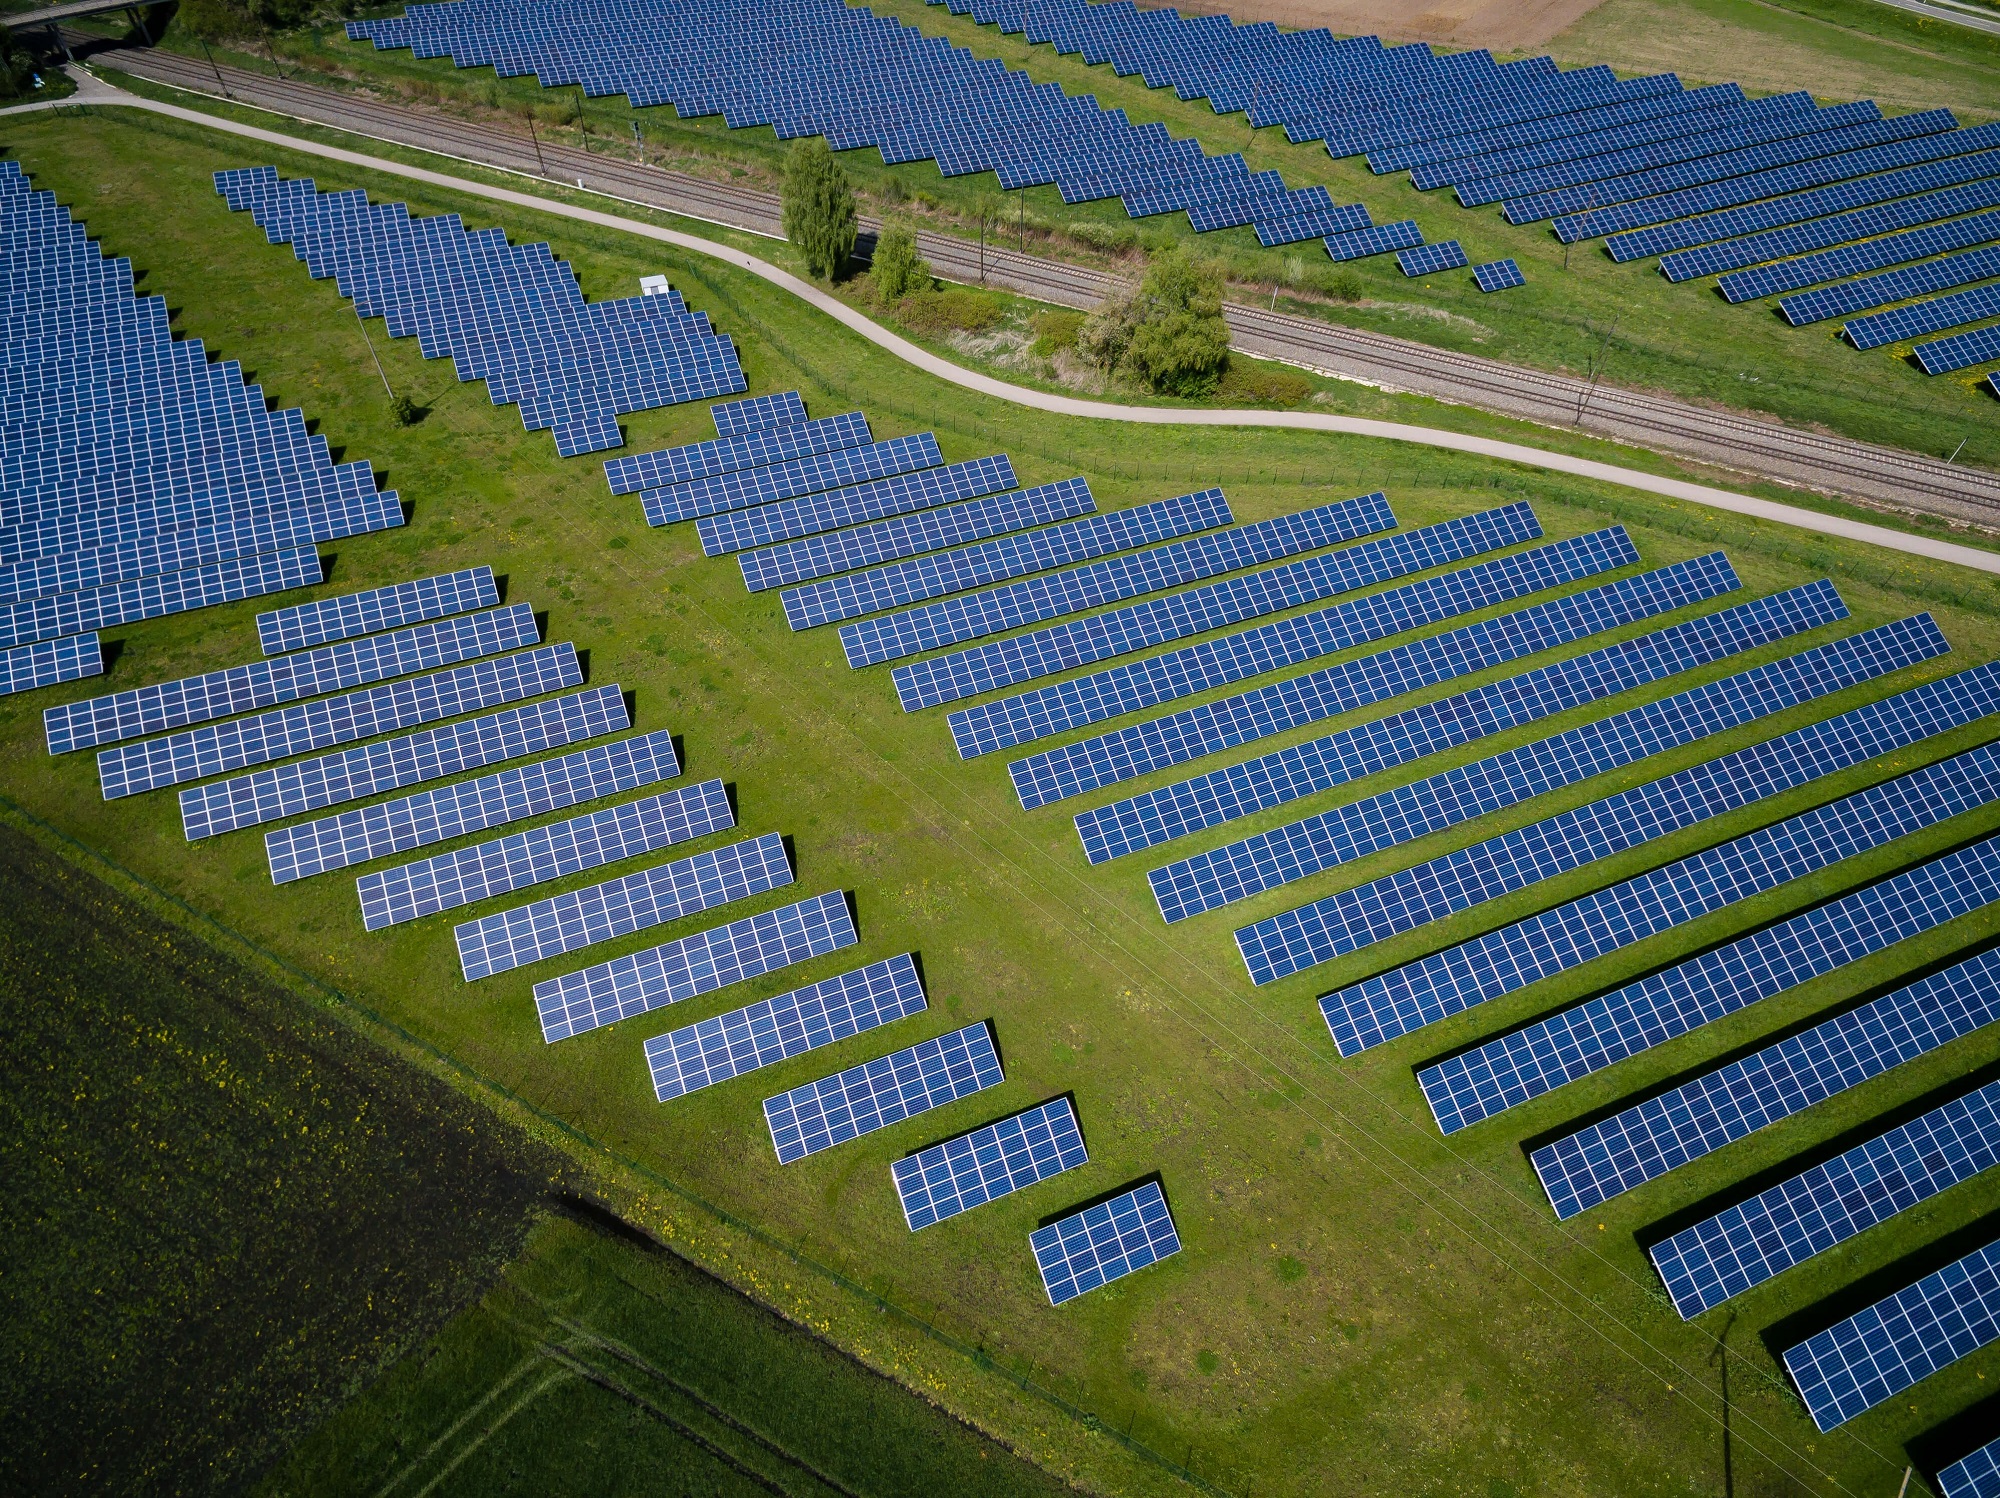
1876	223
1359	244
286	678
469	875
1960	351
694	965
765	525
218	748
48	662
1229	658
899	536
370	769
1082	642
30	620
1892	286
1975	1476
1428	259
1498	275
372	832
1300	849
1636	1018
774	1030
878	1093
1104	1242
1470	876
808	475
1818	1208
700	460
651	897
1110	580
1901	323
932	576
1732	1102
758	413
308	624
1195	732
976	1168
1901	1339
1274	779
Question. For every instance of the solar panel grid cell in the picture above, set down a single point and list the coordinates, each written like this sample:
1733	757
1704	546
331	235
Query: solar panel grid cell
879	1093
758	413
1498	275
973	1169
699	460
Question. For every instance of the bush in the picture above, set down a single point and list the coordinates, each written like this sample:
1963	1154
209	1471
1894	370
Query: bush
17	68
1107	332
898	268
214	20
1056	332
1247	384
1344	286
1110	238
819	212
955	309
1179	343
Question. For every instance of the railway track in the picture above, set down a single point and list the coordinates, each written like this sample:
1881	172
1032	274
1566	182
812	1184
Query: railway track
1732	441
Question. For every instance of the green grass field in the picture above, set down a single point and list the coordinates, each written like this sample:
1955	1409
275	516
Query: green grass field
1360	1306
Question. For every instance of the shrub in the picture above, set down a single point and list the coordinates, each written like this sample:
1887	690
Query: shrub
954	309
214	20
1245	384
1110	238
1180	345
1344	286
1107	332
1055	332
17	68
898	268
819	214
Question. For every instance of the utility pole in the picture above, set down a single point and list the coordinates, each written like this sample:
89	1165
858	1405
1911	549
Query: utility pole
1596	368
371	352
638	144
582	124
540	164
214	69
1021	221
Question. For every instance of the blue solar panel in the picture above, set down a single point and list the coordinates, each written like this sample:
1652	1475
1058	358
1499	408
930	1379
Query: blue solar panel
651	897
1293	852
1899	1340
1975	1476
1251	652
700	460
1498	275
878	1093
372	832
1104	1243
765	525
1734	1101
774	1030
48	662
1111	580
1877	224
902	536
758	413
26	622
995	561
464	877
1654	1010
1359	244
1961	351
370	769
808	475
1358	917
1428	259
307	624
286	678
694	965
1136	626
1892	286
988	1163
1900	323
1215	726
1300	770
1818	1208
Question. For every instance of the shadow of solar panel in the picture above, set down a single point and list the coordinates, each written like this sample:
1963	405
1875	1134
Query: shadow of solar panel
694	965
157	597
1293	852
1103	1243
307	624
754	449
286	678
1424	260
773	1030
882	1092
370	769
1498	275
539	854
766	525
1975	1476
1592	1036
651	897
758	413
49	662
1212	727
807	475
1899	1340
973	1169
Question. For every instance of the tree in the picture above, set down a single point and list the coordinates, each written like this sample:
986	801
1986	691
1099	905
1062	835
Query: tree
1180	345
819	208
898	268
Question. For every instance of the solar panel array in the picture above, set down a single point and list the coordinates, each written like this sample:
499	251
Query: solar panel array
305	625
973	1169
1120	689
753	449
758	413
1498	275
1960	351
1239	790
49	662
554	851
1974	1476
562	923
1900	1339
1819	1208
875	1094
734	489
1899	324
1105	1242
1373	1012
1428	259
1893	286
773	1030
1287	854
470	806
156	597
765	525
512	315
1870	254
1527	1063
1879	224
1213	727
694	965
1732	1102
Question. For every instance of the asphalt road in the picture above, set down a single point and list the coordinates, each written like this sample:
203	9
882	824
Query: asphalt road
1732	441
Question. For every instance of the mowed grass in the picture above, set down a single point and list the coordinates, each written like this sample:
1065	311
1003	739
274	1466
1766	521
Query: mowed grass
1356	1296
